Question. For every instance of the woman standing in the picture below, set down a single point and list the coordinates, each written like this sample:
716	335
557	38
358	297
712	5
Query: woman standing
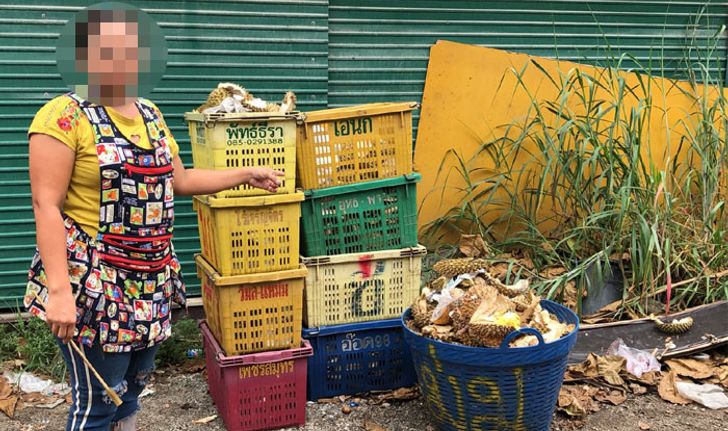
104	169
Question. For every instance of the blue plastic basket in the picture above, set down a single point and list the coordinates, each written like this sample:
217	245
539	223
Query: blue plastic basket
471	388
357	358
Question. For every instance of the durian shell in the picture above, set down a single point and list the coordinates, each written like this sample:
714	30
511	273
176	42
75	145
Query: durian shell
438	283
451	268
463	309
421	317
502	288
215	97
488	335
674	328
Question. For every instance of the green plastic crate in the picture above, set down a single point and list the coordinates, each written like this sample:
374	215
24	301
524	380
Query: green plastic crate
355	218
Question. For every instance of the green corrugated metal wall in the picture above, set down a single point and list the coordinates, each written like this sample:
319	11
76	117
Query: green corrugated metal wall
270	46
378	50
331	52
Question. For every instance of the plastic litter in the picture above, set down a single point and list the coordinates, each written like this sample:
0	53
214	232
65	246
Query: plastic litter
709	395
30	383
638	361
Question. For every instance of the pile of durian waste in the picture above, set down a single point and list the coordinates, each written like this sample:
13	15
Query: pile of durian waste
467	305
229	98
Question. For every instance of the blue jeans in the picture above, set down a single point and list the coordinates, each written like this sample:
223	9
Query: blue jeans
126	373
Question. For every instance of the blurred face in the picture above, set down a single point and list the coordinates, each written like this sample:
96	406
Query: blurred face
113	54
111	60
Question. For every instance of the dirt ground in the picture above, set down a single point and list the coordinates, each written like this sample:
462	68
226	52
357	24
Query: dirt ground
180	399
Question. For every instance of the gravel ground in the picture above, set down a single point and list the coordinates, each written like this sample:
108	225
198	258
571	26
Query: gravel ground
180	399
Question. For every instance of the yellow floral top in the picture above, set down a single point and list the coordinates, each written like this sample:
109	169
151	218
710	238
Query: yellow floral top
62	119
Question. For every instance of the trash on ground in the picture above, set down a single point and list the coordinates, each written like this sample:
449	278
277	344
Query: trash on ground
373	426
29	383
706	394
638	361
205	420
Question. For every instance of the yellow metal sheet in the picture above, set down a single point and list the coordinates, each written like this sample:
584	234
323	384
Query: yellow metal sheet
472	94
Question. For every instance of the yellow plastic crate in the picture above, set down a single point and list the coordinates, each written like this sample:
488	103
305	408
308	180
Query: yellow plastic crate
360	287
250	235
354	144
222	141
253	313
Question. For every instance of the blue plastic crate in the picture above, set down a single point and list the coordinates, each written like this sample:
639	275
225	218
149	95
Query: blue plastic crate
358	357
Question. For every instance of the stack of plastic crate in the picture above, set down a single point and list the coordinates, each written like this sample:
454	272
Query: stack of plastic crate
359	242
251	276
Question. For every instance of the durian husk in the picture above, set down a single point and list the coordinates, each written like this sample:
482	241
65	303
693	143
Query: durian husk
437	284
421	312
487	334
215	97
675	327
444	316
511	291
463	309
451	268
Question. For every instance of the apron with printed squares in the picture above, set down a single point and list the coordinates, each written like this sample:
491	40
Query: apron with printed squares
124	279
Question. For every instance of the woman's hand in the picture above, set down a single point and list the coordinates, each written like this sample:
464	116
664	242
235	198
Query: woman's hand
205	181
265	178
61	312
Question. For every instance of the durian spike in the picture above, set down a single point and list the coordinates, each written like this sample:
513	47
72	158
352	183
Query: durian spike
510	291
451	268
675	327
438	283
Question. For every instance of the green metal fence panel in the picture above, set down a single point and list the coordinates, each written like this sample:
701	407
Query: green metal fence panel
269	46
331	53
378	49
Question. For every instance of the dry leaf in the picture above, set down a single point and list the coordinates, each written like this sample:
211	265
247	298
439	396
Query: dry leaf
373	426
405	394
473	246
588	368
614	397
577	401
610	367
644	426
552	272
690	368
8	404
637	389
493	303
721	374
206	420
667	389
651	378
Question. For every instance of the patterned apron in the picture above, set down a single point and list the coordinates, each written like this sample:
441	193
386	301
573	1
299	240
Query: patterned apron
125	278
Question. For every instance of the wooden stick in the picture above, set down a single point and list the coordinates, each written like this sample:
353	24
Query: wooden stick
110	392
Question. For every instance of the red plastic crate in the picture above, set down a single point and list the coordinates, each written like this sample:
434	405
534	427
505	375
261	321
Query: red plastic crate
258	391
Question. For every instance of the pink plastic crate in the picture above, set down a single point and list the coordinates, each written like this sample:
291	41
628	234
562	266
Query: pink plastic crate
258	391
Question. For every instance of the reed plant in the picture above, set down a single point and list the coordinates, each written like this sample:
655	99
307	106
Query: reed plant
586	155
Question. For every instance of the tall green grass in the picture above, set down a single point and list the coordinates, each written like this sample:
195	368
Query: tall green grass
586	156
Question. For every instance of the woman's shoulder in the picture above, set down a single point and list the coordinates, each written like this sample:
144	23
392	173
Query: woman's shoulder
61	117
61	111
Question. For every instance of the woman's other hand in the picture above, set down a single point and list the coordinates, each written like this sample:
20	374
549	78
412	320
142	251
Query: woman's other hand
61	312
265	178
